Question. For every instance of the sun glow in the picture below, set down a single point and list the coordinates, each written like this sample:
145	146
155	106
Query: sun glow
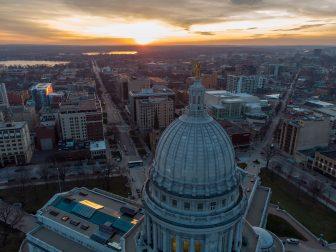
142	32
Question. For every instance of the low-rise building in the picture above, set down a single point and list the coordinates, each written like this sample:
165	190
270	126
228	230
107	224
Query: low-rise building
304	132
83	220
98	149
325	161
225	105
15	143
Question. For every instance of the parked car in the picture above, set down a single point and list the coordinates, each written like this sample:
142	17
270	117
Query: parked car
292	241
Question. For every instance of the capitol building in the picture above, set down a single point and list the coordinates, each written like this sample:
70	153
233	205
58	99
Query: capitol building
196	199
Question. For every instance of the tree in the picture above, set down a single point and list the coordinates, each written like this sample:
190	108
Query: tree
11	216
44	173
269	153
317	188
301	182
23	178
62	173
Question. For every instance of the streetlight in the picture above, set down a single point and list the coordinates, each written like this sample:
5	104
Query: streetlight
59	182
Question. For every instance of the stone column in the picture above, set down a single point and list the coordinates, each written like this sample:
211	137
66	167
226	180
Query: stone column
192	245
229	245
164	240
148	227
178	243
238	234
155	238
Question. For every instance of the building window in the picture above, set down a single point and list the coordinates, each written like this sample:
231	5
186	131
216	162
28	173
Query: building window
163	198
174	203
186	205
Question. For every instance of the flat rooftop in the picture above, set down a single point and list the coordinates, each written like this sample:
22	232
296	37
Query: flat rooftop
12	125
97	145
57	241
102	217
258	209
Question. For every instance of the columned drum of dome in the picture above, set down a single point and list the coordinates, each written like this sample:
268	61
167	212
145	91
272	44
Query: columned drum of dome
193	197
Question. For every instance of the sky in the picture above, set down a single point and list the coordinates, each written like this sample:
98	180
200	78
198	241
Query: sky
168	22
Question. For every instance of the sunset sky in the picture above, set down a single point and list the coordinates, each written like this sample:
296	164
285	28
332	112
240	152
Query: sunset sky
215	22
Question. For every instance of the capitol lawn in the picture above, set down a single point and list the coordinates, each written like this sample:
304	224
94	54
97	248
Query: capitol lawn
312	214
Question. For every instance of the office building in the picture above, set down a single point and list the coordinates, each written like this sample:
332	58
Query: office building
225	105
81	120
40	93
3	96
16	146
83	220
304	132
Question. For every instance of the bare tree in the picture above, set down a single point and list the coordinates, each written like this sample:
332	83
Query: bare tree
317	188
44	172
278	168
23	178
269	153
301	182
62	173
11	216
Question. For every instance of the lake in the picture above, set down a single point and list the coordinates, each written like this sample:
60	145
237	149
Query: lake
111	53
31	62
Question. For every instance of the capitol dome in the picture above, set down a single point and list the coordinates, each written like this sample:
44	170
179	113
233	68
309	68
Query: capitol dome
193	197
195	157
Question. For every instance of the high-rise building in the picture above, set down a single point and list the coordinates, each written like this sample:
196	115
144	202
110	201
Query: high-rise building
147	94
15	143
303	133
3	96
81	120
83	220
147	109
194	198
241	84
40	93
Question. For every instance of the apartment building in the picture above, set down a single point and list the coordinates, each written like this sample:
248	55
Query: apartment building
245	84
147	110
81	120
15	143
3	96
40	94
147	94
86	220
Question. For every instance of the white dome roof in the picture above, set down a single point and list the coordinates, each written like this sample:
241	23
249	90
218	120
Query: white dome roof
195	157
266	239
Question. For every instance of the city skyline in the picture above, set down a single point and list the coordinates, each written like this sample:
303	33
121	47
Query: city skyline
147	22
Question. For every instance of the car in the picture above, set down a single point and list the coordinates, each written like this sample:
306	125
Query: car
292	241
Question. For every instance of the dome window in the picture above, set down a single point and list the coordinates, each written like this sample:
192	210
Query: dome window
213	205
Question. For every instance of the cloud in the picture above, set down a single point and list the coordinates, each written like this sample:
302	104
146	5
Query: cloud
302	27
246	1
205	33
29	18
